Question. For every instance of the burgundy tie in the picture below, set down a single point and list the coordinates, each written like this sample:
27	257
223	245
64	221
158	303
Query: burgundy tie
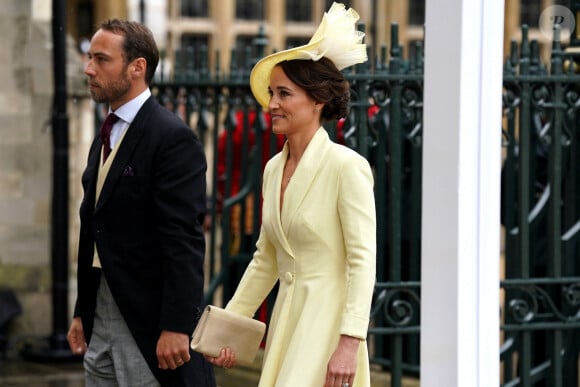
105	134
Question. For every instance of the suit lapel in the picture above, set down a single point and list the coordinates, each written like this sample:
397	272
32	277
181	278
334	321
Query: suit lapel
90	177
124	153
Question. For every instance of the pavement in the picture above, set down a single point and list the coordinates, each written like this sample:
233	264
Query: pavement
22	373
16	371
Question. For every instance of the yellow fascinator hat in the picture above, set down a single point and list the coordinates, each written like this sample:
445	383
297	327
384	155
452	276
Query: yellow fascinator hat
336	39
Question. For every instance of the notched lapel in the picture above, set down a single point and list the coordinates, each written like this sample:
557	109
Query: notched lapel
92	169
89	177
127	146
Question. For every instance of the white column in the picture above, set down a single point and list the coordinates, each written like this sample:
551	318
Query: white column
461	191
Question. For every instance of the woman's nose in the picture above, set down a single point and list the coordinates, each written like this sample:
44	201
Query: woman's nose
273	103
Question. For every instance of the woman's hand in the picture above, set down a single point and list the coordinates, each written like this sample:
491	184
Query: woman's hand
342	365
226	359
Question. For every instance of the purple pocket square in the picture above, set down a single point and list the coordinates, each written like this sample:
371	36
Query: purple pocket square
128	171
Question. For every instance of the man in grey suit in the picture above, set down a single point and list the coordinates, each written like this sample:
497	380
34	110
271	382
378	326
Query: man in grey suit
141	244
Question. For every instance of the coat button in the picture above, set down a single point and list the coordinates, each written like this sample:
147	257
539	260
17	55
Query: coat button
288	277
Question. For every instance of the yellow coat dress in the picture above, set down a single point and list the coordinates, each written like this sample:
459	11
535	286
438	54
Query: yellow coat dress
321	249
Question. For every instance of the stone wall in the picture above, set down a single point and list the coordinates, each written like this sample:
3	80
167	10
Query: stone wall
26	157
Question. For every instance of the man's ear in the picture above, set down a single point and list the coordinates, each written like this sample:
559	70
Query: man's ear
138	68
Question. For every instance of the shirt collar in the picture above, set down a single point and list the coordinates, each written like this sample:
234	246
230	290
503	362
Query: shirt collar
129	110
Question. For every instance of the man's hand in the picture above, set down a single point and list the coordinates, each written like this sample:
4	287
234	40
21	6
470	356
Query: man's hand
172	350
76	337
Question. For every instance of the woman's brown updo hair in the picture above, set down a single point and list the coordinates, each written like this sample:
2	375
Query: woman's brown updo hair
323	82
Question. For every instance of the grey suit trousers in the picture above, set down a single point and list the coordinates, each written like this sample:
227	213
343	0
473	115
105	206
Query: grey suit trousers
113	358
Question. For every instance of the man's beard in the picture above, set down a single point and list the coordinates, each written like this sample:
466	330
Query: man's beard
112	91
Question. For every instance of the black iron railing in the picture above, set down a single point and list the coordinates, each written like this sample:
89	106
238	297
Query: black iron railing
540	195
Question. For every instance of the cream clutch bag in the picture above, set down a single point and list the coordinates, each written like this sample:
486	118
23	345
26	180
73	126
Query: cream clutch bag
219	328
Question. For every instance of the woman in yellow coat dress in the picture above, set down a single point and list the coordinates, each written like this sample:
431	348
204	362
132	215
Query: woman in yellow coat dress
318	221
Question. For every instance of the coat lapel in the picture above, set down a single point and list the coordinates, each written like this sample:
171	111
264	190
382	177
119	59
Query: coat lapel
271	190
126	147
301	181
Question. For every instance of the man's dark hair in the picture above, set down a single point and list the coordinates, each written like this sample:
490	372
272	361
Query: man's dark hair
138	43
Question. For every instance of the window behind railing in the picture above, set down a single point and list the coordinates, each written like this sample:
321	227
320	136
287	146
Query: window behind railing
250	9
299	10
194	8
